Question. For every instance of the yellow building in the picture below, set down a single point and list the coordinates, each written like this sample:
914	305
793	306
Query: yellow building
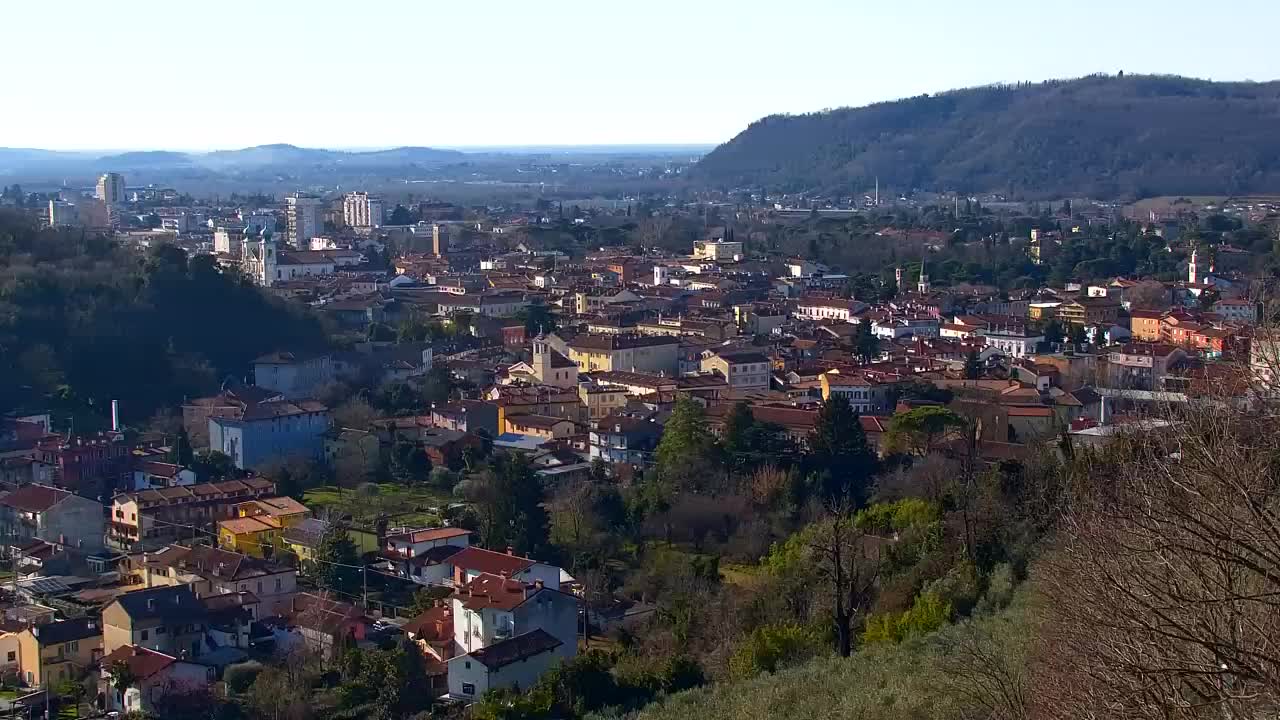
303	539
1144	325
631	353
255	537
602	399
58	651
256	530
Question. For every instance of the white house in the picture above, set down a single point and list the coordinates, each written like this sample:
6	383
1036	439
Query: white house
829	309
1014	341
517	662
294	375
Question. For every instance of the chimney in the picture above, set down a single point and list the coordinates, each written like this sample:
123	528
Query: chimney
151	603
115	416
511	550
538	584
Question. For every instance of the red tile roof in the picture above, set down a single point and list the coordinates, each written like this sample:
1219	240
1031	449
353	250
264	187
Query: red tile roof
143	663
34	498
492	591
488	561
429	534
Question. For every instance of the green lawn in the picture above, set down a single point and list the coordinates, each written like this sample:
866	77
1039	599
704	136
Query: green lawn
402	505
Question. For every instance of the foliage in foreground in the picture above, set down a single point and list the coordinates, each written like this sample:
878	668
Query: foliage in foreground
932	677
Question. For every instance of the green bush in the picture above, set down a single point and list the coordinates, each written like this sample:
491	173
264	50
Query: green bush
928	613
240	676
770	647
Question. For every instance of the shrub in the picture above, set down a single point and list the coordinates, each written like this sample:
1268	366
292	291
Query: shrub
929	613
240	676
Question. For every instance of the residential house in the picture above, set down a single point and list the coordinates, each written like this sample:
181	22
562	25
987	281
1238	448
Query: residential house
210	571
294	375
797	423
55	652
154	676
91	466
868	392
623	439
304	537
151	518
741	370
468	416
1089	311
1141	366
257	526
56	516
351	451
171	620
153	475
634	353
1144	325
1015	341
1237	311
445	448
423	555
516	662
601	400
230	402
495	617
473	562
491	303
540	426
270	431
324	624
825	308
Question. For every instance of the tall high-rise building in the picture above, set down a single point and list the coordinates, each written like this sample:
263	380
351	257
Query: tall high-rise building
361	210
110	188
302	217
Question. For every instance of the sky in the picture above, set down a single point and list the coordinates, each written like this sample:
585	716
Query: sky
216	74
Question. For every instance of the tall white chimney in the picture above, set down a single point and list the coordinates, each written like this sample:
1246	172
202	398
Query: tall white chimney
115	416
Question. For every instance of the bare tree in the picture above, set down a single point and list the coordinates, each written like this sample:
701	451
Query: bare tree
1165	590
849	565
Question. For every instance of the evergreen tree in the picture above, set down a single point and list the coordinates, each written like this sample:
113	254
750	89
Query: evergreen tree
972	366
184	453
839	453
686	453
336	564
865	344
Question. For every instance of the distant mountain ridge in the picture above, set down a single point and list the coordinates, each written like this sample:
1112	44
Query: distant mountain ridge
32	160
1102	136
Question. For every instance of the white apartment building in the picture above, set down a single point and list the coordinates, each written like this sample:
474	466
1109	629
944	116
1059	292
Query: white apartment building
303	219
110	188
362	210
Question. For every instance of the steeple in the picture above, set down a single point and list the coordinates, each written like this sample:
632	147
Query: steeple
1193	271
923	286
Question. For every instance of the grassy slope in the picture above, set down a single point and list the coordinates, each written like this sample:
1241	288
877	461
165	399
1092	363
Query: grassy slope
880	682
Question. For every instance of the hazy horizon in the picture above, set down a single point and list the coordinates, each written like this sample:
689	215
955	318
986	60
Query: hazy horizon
151	76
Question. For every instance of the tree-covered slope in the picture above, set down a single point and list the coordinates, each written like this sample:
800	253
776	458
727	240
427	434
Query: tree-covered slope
1101	136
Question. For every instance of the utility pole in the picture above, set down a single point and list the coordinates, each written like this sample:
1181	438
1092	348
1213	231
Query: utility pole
364	575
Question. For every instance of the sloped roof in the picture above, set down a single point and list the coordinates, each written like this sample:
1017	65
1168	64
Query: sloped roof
429	534
143	663
488	561
34	498
520	647
176	602
64	631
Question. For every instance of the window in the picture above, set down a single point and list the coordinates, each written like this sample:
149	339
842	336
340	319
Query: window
75	646
468	664
12	656
145	636
467	688
160	631
277	584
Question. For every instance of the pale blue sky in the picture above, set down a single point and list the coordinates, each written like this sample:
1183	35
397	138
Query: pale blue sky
229	73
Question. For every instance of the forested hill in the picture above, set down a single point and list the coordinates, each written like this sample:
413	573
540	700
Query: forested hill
1099	136
84	321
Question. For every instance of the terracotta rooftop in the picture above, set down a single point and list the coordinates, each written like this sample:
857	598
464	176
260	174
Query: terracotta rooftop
143	663
488	561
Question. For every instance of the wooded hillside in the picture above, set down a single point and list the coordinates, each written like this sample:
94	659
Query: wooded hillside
1096	136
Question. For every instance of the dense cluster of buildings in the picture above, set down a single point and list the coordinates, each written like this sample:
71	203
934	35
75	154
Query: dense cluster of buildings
123	556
